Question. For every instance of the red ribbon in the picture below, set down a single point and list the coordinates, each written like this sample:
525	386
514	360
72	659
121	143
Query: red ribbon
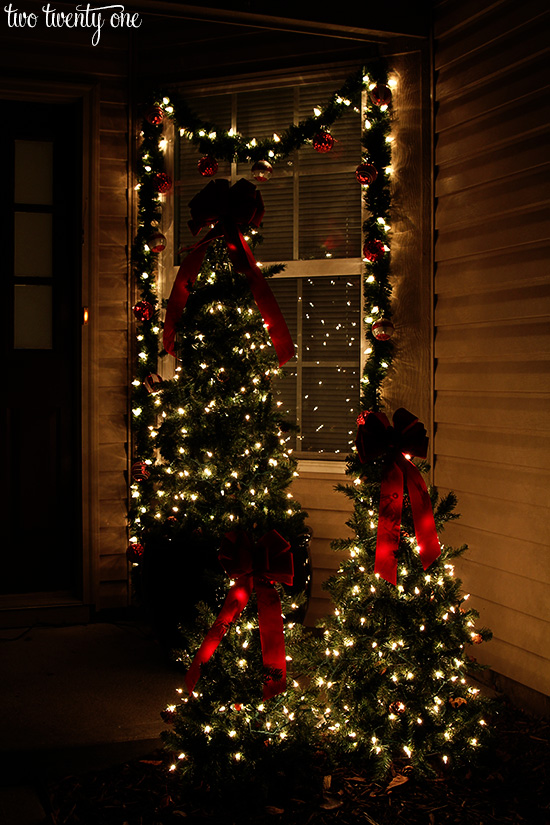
376	438
227	207
255	568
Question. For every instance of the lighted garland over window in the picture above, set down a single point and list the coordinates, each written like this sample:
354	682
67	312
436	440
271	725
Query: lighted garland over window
368	92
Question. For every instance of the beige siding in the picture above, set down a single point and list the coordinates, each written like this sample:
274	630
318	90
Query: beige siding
113	343
492	342
327	512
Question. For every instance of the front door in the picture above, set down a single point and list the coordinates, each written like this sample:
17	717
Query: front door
40	460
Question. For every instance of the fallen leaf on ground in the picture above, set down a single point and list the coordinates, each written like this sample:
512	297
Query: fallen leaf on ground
330	803
397	780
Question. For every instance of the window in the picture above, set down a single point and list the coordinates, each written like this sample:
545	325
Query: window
312	224
33	244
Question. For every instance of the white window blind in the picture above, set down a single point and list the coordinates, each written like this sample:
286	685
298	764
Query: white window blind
320	388
313	216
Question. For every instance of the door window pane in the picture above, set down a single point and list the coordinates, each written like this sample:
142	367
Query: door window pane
33	317
33	245
33	171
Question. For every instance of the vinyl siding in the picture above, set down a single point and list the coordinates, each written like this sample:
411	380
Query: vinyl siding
492	343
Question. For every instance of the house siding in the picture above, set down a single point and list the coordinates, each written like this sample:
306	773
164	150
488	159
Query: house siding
113	343
492	290
328	511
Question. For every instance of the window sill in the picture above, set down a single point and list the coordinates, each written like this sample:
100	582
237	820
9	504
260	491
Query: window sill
331	467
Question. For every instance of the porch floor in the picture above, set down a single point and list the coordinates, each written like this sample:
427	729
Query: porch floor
75	699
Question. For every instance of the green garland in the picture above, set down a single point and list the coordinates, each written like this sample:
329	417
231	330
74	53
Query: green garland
226	145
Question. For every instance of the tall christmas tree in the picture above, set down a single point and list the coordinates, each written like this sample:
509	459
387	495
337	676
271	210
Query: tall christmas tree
225	491
222	536
395	674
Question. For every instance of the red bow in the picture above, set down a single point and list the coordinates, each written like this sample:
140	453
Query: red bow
255	568
227	207
376	438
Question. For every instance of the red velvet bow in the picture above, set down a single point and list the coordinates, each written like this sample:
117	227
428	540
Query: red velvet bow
255	568
377	438
228	208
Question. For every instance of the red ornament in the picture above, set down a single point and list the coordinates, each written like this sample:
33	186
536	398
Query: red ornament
144	311
383	329
168	716
238	707
397	707
262	170
366	173
207	166
134	552
157	242
222	375
153	382
323	142
380	95
163	182
154	116
477	638
140	471
373	250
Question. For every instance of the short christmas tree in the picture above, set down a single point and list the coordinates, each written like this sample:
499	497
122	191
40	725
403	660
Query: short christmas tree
397	663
